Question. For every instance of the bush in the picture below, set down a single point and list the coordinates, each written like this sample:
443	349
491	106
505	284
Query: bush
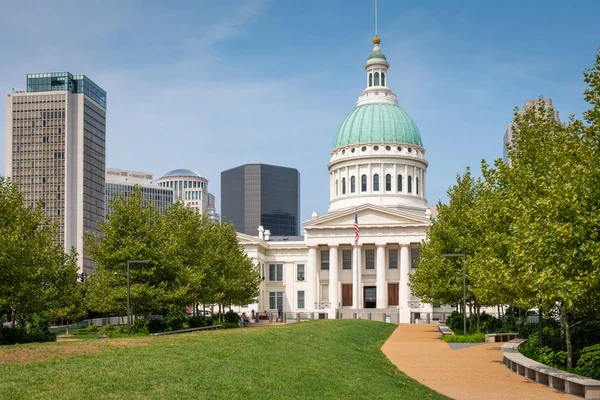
138	326
232	317
197	321
156	325
455	321
589	362
586	334
175	319
91	329
108	328
556	359
27	332
472	338
229	325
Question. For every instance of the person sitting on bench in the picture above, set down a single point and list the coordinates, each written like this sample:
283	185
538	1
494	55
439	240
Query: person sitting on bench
245	319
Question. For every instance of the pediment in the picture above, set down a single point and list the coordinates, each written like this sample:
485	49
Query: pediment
368	215
247	239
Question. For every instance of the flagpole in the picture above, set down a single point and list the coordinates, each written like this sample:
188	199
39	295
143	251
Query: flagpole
357	267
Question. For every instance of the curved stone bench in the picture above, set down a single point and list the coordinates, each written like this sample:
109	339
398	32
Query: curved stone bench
560	380
500	337
444	330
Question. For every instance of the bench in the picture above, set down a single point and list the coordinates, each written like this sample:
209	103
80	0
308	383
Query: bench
204	328
102	336
444	330
500	337
264	317
562	381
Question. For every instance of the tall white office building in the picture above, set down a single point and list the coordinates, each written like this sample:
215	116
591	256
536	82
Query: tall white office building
56	150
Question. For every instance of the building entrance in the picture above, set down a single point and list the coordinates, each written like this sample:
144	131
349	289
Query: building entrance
370	297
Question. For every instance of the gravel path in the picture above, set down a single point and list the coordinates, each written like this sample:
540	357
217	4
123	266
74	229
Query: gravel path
471	373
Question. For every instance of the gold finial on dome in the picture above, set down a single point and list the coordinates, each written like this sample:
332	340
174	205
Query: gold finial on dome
376	40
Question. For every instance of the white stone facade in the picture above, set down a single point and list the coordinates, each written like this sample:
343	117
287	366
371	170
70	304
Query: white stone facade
382	185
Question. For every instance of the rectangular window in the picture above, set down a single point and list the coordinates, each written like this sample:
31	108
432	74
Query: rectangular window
300	298
324	259
347	259
393	255
414	258
300	271
276	300
325	292
370	259
276	272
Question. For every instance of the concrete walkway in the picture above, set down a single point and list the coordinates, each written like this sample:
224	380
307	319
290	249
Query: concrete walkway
471	373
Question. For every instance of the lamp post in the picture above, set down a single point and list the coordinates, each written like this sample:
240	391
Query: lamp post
129	291
464	288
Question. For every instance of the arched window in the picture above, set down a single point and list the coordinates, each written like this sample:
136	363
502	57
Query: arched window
352	184
417	184
343	185
409	184
376	78
399	183
370	79
363	183
388	183
382	79
376	183
336	187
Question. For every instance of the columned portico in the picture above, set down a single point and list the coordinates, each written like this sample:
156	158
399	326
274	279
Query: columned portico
404	289
333	278
381	289
311	278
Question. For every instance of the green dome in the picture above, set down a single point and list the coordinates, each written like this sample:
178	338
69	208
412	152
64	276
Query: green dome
376	54
377	123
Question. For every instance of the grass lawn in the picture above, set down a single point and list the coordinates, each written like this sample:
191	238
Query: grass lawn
310	360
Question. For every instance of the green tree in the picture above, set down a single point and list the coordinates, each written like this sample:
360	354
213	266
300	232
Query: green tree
34	268
134	231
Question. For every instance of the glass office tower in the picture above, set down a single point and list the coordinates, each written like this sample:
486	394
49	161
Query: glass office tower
55	151
258	194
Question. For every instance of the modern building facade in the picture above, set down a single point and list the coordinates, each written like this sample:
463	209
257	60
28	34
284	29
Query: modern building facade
377	172
55	151
189	187
511	130
122	183
261	194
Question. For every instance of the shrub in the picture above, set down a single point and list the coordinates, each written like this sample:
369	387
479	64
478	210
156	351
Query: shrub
472	338
197	321
589	362
586	334
455	321
91	329
108	328
156	325
138	326
229	325
175	319
38	330
232	317
26	332
556	359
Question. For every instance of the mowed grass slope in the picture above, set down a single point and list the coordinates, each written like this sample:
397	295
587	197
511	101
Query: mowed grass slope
311	360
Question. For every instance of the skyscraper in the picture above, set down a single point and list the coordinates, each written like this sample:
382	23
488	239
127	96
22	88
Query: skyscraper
511	130
254	195
55	151
120	182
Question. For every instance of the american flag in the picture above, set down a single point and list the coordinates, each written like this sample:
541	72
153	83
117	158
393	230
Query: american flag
356	230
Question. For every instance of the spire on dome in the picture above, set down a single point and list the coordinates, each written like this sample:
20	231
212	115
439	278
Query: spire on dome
376	40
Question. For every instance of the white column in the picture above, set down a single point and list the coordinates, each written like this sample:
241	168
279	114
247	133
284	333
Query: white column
333	279
355	276
359	292
311	294
404	289
381	289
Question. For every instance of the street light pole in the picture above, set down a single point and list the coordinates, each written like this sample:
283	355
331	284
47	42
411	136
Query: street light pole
129	291
463	256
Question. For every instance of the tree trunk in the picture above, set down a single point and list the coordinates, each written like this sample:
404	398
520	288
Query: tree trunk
478	311
566	322
540	328
67	326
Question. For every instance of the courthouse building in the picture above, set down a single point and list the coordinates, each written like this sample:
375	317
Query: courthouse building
377	175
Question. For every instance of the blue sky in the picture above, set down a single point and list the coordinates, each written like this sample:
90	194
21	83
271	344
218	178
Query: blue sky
212	85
